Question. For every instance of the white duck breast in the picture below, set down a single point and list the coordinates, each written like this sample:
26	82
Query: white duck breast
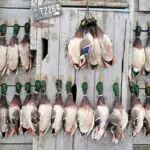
74	50
57	116
147	59
102	114
85	119
96	55
12	57
3	52
107	48
70	118
24	50
45	111
137	116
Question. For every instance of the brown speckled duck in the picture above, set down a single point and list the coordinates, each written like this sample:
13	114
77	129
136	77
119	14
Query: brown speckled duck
138	53
4	116
137	109
58	109
85	115
101	114
119	118
70	112
14	110
44	110
147	52
147	110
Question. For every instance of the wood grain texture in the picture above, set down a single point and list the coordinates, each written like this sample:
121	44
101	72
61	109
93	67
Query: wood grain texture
15	3
16	147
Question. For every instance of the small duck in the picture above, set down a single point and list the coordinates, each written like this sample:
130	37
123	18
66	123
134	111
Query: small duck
13	51
101	114
14	110
119	118
70	112
137	109
95	58
32	109
24	126
147	110
106	48
45	109
4	117
85	114
147	52
138	53
24	49
3	45
58	109
74	45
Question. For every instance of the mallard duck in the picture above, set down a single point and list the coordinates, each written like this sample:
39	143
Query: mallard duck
24	49
13	51
3	45
14	110
4	117
32	109
45	109
58	109
95	58
85	115
24	126
74	47
119	118
147	52
138	53
70	112
137	109
101	114
147	109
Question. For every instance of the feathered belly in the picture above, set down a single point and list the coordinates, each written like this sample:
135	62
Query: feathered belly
147	58
138	59
23	119
24	55
4	126
45	111
85	120
12	57
3	52
70	118
74	50
58	116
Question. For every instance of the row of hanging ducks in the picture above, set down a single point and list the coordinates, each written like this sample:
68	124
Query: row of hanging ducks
36	115
141	55
10	53
90	47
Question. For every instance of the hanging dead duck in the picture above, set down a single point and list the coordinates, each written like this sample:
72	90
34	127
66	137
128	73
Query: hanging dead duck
58	109
137	109
147	110
24	49
4	117
14	111
45	109
70	112
119	118
101	114
32	110
95	58
24	126
13	53
3	46
74	45
138	53
85	115
106	48
147	52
